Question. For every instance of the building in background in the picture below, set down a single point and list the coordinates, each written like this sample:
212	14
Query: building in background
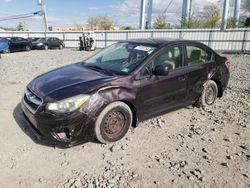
76	28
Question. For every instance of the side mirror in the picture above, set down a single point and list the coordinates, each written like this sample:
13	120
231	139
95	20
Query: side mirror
161	70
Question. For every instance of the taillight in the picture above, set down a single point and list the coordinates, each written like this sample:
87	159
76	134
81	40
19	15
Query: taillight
228	65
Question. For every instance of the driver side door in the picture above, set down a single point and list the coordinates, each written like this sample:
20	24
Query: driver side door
158	94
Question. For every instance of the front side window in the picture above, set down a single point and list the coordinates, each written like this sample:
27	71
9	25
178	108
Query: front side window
121	58
197	55
170	57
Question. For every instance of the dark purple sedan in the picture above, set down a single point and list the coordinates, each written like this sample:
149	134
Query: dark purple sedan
127	82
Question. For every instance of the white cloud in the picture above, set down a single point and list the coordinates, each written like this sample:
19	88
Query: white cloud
130	9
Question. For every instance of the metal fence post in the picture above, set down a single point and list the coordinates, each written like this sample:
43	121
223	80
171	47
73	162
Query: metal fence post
152	34
210	38
105	38
244	41
180	34
126	35
63	36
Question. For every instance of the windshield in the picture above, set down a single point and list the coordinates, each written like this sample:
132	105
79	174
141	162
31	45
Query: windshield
121	58
41	40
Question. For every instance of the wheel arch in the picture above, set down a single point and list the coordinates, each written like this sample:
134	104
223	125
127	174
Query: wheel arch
218	83
134	112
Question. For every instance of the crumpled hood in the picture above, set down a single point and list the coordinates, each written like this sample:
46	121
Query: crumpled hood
67	81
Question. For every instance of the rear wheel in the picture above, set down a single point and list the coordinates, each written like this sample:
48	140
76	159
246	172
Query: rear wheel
209	94
113	122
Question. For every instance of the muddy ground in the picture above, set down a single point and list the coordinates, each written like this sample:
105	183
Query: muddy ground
189	147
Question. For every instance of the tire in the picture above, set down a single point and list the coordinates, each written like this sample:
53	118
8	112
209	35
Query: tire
28	48
46	47
113	122
6	51
209	94
60	46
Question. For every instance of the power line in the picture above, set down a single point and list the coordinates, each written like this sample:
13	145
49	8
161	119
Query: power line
27	15
165	11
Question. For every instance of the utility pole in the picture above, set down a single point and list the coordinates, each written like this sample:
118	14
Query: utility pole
142	16
149	14
186	11
44	14
236	12
225	14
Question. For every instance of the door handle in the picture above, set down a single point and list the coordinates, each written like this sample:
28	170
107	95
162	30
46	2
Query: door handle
182	78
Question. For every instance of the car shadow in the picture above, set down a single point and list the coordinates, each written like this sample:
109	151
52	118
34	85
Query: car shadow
25	127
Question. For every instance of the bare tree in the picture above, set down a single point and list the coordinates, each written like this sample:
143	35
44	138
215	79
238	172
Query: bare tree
101	22
247	6
210	15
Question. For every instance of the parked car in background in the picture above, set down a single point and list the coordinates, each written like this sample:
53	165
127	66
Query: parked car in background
33	39
127	82
4	45
48	43
18	44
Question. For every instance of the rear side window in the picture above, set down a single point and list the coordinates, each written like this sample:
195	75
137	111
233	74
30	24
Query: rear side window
197	55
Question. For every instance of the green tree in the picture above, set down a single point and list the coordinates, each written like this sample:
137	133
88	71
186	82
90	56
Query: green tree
192	22
161	22
247	22
101	22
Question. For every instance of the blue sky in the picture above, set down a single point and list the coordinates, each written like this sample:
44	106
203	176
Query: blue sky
76	12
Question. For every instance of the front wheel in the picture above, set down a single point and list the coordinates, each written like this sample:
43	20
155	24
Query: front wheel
209	94
46	47
113	122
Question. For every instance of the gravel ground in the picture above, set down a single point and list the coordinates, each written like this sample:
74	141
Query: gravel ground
189	147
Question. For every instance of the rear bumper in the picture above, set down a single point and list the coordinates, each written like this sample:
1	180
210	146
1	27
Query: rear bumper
65	130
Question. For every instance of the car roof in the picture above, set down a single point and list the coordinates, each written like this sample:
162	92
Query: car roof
157	41
152	41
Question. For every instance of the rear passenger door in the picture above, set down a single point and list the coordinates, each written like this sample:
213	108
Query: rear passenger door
57	42
198	62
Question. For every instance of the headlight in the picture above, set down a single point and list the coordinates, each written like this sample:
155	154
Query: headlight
68	105
40	44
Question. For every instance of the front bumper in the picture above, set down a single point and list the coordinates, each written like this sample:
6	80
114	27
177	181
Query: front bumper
66	130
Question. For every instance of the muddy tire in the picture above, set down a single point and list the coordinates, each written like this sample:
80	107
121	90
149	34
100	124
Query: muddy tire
113	122
209	94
